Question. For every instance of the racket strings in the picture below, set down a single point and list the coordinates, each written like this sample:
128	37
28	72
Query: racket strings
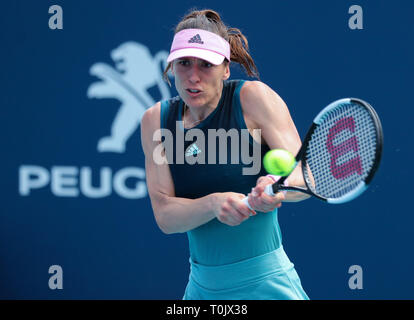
341	151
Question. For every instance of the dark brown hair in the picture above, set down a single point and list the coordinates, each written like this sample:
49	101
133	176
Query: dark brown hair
210	20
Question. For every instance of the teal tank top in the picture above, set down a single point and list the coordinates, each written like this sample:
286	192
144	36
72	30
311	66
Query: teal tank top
215	243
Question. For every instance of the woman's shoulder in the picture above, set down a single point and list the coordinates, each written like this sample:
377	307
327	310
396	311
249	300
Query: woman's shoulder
151	117
259	102
153	113
253	94
255	88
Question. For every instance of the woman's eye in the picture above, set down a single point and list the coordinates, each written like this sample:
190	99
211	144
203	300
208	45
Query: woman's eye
184	62
207	65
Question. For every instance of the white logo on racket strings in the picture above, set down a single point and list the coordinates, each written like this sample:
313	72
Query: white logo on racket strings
239	148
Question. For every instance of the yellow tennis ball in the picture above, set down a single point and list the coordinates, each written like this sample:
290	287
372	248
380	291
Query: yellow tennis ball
279	162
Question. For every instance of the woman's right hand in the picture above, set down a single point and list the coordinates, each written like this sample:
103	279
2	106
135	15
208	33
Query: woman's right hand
230	209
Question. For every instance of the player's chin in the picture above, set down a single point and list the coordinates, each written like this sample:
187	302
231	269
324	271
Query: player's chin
195	103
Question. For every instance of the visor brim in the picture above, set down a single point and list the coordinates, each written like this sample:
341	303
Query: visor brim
210	56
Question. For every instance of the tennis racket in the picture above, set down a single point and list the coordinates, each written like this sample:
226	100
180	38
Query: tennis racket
340	153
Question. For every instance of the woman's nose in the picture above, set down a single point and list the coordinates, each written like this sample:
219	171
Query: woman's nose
194	74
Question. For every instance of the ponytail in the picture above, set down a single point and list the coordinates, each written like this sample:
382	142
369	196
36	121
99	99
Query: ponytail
239	52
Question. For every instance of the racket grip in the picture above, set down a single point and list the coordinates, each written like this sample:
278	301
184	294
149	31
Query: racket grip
246	202
268	190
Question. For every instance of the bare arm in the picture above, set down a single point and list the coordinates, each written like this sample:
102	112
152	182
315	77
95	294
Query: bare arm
264	109
174	214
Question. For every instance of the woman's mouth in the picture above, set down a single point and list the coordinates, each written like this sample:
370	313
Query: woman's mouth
193	92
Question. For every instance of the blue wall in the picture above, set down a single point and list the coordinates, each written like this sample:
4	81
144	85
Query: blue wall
54	113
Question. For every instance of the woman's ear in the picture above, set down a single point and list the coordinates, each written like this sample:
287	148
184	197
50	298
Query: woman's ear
226	74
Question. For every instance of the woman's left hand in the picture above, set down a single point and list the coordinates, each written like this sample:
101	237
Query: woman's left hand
260	201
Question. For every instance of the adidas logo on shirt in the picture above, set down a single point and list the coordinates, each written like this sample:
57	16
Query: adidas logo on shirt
196	39
192	150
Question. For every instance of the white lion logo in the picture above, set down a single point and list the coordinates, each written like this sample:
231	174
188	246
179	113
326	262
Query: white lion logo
136	71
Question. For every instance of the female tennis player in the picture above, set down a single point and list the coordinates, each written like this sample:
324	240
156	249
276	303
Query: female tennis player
235	252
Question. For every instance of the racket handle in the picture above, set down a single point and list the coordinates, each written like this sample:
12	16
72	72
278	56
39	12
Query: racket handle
247	203
268	190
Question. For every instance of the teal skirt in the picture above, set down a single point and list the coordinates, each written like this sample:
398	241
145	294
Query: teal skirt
270	276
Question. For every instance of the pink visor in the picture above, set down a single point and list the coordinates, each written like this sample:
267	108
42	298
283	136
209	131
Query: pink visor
201	44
